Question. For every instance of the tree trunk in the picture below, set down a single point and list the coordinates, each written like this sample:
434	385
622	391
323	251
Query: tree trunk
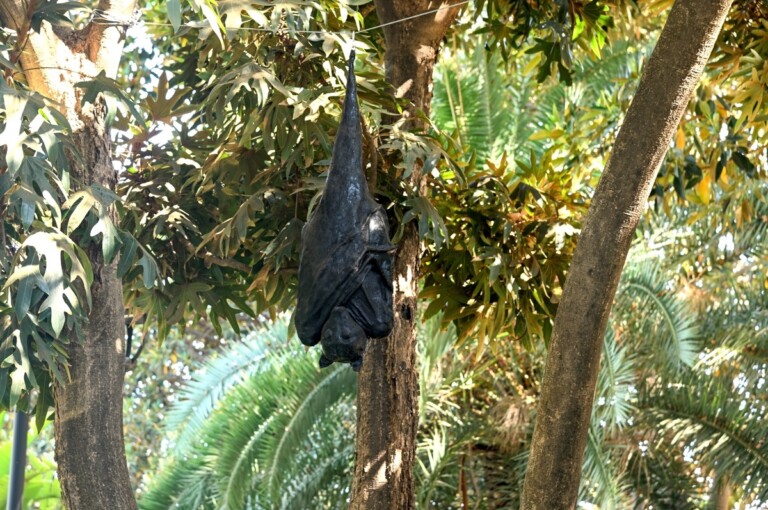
672	72
90	450
721	493
388	390
89	409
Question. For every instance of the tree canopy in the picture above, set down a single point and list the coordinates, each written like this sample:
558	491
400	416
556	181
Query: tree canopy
222	117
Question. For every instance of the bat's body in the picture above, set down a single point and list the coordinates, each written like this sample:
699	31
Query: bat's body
345	272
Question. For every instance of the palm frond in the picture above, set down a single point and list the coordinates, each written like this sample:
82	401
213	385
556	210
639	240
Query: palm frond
602	481
199	397
325	462
723	428
718	244
613	404
661	478
471	100
652	314
181	484
438	370
272	437
327	388
283	404
441	459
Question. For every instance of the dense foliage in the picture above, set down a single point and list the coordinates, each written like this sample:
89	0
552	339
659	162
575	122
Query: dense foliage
224	115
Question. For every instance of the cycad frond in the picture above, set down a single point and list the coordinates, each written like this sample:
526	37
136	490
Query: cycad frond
602	482
721	426
613	403
265	435
199	397
651	314
283	404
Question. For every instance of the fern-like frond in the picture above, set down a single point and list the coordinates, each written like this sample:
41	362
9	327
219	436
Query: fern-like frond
725	429
325	389
267	437
281	405
184	483
651	314
471	99
440	460
198	398
602	481
661	478
613	403
324	463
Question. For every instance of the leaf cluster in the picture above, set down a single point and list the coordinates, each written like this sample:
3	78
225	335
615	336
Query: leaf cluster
289	450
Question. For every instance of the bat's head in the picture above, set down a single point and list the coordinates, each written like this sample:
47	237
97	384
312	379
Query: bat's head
343	340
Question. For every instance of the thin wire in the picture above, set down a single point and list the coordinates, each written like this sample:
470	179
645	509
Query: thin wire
102	17
417	15
97	20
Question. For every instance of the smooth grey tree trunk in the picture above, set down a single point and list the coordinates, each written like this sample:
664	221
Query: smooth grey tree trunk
668	82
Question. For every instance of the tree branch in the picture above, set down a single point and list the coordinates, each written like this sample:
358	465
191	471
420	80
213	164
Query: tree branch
45	53
211	259
13	13
104	40
32	48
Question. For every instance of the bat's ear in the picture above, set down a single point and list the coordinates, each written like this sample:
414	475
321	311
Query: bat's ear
325	362
356	364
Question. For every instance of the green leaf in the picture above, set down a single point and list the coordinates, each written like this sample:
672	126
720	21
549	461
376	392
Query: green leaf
207	7
105	196
744	164
79	205
174	13
104	85
27	276
13	135
23	370
110	237
53	246
53	12
149	267
127	254
44	401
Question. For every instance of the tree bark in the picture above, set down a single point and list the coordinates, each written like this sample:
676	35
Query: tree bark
721	493
89	408
388	390
669	79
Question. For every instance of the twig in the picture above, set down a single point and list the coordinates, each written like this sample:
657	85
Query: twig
210	259
373	156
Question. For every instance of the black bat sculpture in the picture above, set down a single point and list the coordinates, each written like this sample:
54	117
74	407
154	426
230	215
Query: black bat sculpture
344	295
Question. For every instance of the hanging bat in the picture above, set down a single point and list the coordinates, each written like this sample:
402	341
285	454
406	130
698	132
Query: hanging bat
344	295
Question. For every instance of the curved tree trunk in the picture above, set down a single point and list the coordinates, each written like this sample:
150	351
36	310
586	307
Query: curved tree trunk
562	423
89	409
388	391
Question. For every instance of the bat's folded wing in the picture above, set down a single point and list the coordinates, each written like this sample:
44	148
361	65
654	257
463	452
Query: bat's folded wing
328	275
